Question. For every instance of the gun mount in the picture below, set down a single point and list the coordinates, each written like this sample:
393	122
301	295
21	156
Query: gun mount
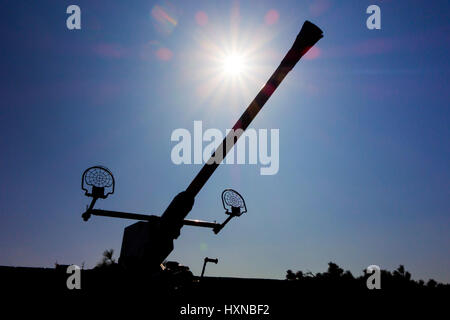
148	242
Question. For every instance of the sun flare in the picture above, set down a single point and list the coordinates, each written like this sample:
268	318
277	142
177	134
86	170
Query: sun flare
233	64
230	67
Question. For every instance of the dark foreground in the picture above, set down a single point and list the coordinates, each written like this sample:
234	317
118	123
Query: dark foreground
181	296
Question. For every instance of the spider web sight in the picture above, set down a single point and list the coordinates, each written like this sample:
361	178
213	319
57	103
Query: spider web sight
95	180
233	202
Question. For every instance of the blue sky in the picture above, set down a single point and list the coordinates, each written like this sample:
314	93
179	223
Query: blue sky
363	119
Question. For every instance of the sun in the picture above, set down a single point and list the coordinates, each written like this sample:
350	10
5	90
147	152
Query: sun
233	64
231	67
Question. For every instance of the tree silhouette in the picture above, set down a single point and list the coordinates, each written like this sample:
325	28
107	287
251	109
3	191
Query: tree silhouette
290	275
431	283
107	259
334	271
398	279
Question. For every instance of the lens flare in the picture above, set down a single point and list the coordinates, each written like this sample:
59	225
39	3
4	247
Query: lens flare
233	64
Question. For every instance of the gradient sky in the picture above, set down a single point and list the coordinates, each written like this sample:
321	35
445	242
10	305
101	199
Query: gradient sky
364	131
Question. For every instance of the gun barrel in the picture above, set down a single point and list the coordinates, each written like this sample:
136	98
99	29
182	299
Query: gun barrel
307	37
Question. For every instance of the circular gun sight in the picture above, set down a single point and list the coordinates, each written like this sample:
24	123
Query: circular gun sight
233	203
96	180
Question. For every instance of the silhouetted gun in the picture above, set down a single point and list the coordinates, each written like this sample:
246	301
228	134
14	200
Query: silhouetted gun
149	243
182	204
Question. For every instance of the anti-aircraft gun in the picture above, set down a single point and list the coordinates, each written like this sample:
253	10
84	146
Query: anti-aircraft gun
148	242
